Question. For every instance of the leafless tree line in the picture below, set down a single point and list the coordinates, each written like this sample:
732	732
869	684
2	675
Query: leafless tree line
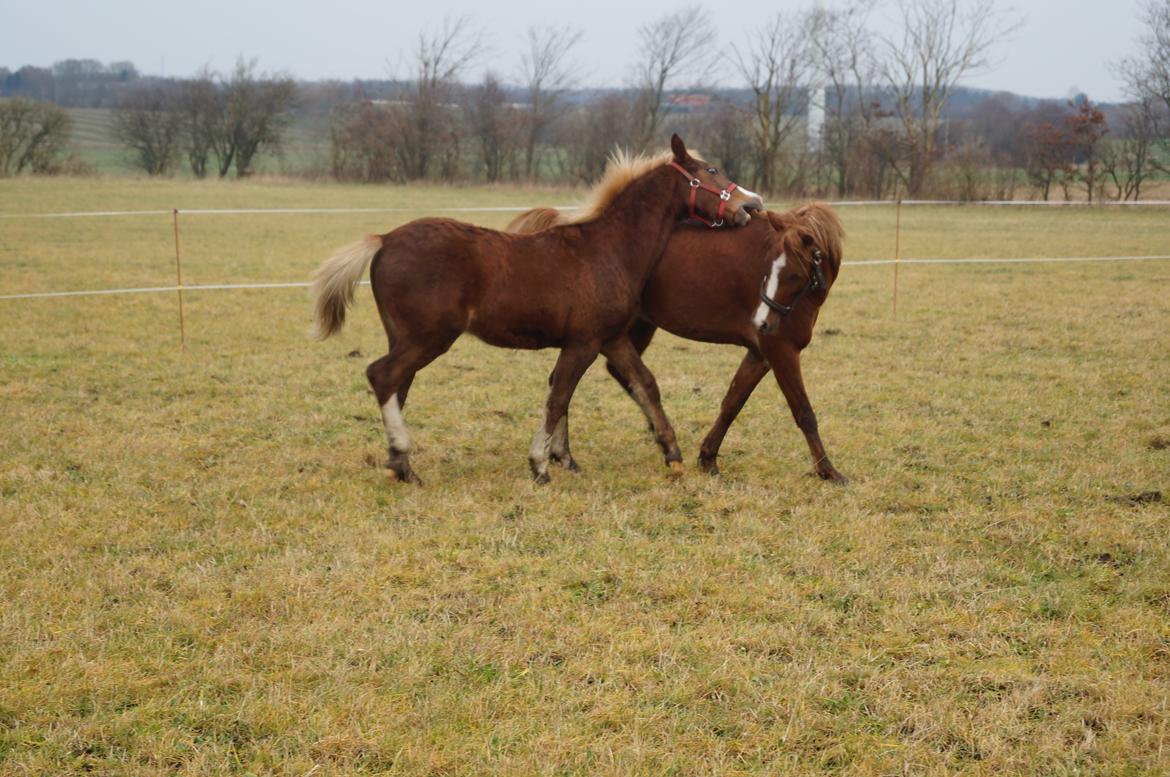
216	123
824	104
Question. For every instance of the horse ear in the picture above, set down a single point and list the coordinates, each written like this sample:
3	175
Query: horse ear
679	148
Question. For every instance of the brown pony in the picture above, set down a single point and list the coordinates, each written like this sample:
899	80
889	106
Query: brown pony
760	287
574	287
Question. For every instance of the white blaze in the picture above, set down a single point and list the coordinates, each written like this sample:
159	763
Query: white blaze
770	290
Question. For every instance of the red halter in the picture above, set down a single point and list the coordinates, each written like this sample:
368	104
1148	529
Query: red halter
696	184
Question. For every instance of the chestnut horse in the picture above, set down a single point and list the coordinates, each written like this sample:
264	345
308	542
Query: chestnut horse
760	287
574	287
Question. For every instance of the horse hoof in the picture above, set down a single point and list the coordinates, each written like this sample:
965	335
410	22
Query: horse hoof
831	475
676	469
571	465
541	478
709	466
394	476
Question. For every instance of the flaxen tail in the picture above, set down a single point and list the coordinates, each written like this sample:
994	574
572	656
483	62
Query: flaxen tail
334	283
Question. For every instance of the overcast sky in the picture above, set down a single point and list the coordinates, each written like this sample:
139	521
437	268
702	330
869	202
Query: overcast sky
1063	46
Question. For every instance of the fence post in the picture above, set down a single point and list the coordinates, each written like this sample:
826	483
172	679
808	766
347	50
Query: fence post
179	281
897	251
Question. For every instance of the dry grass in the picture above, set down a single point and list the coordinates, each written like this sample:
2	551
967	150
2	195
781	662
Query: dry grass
202	571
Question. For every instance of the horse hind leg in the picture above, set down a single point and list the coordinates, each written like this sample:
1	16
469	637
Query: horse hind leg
571	365
391	377
559	452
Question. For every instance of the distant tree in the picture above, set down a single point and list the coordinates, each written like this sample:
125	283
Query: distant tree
775	64
941	41
1128	161
254	114
201	108
150	123
495	127
1147	78
725	136
1085	128
33	136
1048	155
844	55
676	46
362	143
592	132
545	71
426	130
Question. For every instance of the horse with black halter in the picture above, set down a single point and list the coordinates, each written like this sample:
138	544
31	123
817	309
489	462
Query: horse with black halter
576	287
760	287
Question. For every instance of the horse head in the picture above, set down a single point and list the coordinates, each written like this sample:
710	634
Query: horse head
714	199
808	259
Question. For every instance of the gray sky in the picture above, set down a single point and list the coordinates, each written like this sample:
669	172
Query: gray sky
1064	45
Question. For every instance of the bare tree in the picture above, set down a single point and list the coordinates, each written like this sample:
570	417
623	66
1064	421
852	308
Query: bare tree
843	46
426	131
545	69
673	47
941	42
200	107
495	127
1147	77
254	116
725	135
1128	160
150	124
362	143
775	64
32	136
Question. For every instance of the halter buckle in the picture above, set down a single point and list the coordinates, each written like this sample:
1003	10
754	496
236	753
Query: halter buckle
725	195
696	183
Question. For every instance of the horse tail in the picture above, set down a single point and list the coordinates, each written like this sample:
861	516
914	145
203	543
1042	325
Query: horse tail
535	220
336	279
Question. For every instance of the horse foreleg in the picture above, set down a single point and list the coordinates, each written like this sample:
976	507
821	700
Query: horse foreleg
784	358
623	355
571	365
751	370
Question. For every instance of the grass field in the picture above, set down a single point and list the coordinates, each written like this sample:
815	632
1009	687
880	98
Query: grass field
203	570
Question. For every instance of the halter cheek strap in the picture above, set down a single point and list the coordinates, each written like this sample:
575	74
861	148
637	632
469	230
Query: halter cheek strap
696	184
816	281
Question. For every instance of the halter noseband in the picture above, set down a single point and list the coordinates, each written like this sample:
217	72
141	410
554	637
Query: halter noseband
816	281
696	184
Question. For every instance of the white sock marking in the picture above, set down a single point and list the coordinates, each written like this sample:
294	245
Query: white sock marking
773	283
541	442
396	433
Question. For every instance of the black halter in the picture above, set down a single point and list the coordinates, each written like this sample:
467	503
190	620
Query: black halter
816	281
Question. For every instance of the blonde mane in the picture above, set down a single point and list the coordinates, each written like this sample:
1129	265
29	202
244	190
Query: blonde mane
620	171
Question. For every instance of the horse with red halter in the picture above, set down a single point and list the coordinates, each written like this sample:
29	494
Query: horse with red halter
574	287
760	287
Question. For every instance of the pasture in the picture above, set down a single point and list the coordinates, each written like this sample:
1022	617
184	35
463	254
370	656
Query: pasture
203	570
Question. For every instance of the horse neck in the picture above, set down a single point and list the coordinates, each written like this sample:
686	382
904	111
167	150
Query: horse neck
642	215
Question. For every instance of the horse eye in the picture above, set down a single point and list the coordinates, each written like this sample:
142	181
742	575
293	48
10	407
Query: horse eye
712	170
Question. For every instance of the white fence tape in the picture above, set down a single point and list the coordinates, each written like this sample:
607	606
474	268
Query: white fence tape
520	208
305	284
270	211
